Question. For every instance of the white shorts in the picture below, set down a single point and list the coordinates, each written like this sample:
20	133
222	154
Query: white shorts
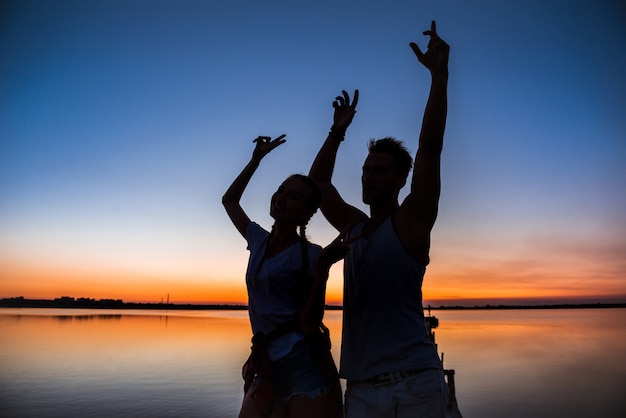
421	395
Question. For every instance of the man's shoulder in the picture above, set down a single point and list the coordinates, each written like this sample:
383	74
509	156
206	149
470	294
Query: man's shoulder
413	234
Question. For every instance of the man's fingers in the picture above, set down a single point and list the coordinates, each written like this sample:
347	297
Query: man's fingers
432	32
346	96
355	98
416	49
281	137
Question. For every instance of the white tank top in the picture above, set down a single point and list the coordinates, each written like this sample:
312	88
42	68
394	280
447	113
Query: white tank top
383	319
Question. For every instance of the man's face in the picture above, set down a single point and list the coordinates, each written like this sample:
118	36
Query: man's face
380	179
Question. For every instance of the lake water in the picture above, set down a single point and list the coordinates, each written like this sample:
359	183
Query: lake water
111	363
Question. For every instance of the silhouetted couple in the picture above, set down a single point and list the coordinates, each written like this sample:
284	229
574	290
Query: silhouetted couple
391	367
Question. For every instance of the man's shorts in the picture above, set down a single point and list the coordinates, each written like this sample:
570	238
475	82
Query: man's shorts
424	394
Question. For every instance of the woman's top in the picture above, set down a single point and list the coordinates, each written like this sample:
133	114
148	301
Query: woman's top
276	288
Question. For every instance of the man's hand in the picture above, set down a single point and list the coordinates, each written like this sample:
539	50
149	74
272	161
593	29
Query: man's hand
436	56
265	144
344	111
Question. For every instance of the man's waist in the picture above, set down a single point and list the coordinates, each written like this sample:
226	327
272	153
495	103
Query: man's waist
391	378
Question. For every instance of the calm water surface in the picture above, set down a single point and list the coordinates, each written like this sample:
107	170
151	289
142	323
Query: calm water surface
519	363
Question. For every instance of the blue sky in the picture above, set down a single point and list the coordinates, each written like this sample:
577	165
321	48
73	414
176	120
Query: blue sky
123	122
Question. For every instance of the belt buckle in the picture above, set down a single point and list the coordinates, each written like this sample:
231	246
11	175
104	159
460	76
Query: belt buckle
384	379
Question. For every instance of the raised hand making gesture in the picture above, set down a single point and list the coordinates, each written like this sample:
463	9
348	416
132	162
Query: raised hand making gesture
265	144
230	200
388	254
436	56
344	112
280	279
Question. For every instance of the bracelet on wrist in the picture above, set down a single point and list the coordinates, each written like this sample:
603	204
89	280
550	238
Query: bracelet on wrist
337	134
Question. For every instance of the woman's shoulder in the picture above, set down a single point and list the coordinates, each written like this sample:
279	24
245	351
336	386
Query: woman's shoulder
255	233
314	249
256	228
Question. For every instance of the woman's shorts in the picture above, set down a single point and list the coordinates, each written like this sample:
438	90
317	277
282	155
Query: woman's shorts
300	373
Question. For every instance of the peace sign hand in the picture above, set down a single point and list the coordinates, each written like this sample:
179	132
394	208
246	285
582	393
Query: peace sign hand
436	56
265	144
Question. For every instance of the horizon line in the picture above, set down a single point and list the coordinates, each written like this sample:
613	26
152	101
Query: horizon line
71	302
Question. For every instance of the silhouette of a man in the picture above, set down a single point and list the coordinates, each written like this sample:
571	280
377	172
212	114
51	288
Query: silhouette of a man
391	366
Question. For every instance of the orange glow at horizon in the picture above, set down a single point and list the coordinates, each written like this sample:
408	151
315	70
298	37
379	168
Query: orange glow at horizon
443	281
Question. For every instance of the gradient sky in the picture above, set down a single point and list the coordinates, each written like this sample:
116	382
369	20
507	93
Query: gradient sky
122	123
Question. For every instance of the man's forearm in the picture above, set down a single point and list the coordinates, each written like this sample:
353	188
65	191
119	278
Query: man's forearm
324	163
435	113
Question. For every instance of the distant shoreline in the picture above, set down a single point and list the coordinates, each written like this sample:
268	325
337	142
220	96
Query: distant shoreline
87	303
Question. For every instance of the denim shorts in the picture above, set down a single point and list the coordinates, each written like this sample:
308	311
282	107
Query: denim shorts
300	373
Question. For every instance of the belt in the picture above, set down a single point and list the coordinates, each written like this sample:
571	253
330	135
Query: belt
391	378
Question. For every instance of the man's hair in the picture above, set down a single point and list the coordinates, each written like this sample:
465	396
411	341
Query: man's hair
396	150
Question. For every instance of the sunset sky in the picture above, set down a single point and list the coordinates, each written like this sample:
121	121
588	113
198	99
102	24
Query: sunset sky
122	123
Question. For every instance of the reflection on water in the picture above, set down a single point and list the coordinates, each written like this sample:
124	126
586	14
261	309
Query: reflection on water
521	363
126	363
537	363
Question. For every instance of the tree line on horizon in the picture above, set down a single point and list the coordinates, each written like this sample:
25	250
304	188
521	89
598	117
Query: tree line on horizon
83	302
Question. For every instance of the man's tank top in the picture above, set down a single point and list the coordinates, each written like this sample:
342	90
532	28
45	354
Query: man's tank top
383	318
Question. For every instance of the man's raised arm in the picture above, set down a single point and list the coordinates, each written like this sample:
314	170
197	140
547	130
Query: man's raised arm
426	181
335	209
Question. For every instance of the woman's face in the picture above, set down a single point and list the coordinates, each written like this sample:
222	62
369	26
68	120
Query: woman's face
290	202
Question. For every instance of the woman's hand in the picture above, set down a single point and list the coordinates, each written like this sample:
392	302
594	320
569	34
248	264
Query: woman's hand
265	144
232	197
312	312
334	252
